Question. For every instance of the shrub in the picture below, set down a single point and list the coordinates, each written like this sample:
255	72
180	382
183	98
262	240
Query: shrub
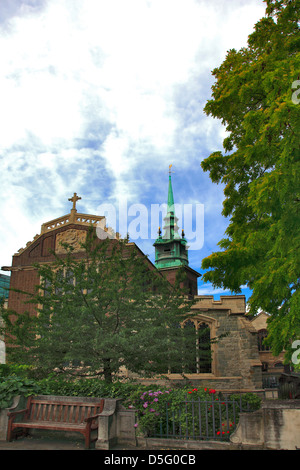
86	387
12	386
15	369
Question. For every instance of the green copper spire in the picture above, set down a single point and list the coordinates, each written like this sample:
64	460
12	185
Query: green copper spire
171	227
170	195
170	249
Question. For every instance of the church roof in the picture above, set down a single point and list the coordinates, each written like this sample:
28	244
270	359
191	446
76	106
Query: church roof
72	218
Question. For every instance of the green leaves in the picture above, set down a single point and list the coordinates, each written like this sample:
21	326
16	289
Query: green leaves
107	310
253	98
13	386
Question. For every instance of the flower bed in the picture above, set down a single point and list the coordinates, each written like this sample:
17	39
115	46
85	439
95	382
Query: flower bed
189	413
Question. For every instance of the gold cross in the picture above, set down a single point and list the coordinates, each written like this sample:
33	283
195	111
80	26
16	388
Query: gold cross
74	199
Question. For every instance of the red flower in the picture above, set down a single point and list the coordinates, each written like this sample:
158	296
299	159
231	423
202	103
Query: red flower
218	433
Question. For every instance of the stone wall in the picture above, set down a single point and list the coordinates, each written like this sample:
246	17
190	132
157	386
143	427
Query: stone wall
115	425
236	362
275	426
4	418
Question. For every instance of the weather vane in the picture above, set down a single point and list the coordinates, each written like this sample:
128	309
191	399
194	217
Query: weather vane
170	171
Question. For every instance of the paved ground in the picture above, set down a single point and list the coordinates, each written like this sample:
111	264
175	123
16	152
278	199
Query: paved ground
45	443
40	444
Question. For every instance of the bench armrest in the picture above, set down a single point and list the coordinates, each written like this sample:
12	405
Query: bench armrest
13	413
92	417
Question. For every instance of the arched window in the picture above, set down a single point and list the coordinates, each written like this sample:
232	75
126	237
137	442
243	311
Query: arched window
190	348
197	347
278	365
261	335
204	348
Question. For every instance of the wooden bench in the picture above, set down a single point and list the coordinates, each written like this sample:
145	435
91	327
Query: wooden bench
57	413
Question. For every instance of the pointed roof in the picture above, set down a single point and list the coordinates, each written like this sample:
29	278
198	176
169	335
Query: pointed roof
171	220
170	248
170	197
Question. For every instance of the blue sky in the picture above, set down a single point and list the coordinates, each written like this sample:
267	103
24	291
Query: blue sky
99	97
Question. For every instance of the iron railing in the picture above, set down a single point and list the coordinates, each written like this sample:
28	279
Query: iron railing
199	419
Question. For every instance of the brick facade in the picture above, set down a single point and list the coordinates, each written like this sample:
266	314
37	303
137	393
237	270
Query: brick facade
24	275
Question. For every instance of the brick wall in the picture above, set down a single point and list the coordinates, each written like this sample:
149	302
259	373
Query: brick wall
24	280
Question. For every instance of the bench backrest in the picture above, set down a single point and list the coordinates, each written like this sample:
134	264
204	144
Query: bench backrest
41	409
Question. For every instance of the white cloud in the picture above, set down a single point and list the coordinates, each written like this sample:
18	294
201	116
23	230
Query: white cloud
99	96
208	289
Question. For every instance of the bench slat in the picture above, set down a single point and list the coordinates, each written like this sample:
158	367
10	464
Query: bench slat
65	413
49	411
82	414
77	414
54	412
44	409
49	425
59	413
32	411
38	411
71	414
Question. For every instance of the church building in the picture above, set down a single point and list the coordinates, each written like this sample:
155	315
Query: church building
235	359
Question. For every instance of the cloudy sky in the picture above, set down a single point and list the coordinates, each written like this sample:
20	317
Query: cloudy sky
99	97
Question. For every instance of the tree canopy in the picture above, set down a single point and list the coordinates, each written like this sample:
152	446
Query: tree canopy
106	310
256	97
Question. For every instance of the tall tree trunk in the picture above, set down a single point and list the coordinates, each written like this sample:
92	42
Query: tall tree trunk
107	371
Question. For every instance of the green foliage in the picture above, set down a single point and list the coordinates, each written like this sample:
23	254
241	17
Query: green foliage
176	411
19	370
254	96
12	386
107	310
248	400
95	387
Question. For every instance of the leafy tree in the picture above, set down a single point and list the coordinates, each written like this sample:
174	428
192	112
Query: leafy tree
107	310
256	97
